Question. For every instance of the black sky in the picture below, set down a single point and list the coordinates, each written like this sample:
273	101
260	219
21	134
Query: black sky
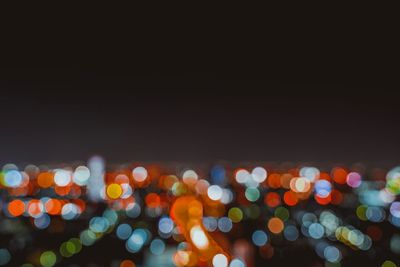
62	115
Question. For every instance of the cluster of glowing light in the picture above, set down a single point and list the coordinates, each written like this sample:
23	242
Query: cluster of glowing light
228	209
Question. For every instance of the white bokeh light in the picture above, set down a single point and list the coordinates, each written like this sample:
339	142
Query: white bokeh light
242	176
220	260
259	174
62	177
215	192
198	237
189	175
81	175
139	174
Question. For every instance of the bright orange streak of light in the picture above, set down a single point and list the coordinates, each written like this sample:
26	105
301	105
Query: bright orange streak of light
187	213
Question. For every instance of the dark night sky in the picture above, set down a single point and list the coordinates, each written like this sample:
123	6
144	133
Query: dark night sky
69	114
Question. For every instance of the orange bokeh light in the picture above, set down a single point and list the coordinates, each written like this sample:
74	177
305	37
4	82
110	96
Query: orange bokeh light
274	180
16	207
339	175
272	199
35	207
53	206
275	225
127	263
290	198
323	200
45	179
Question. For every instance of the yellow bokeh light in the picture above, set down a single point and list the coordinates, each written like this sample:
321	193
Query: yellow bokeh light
114	191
